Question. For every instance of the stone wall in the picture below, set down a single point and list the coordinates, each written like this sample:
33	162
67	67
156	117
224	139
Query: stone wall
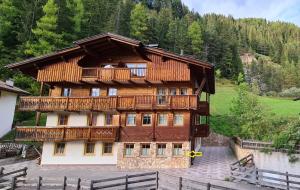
276	161
153	161
215	139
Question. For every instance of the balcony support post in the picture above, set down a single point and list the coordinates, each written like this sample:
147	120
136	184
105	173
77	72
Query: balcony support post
38	114
154	126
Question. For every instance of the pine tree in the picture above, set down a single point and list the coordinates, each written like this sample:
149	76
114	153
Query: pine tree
46	38
138	23
195	34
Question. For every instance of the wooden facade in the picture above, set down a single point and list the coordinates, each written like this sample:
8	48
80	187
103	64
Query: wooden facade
144	79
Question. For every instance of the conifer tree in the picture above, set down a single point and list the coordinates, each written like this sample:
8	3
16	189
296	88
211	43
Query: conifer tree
195	34
46	38
138	23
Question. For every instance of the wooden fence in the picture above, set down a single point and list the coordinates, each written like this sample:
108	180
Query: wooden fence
260	145
245	170
10	179
137	181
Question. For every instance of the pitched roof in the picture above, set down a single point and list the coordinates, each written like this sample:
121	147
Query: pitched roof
5	87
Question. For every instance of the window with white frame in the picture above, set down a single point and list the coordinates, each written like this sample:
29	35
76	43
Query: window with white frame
172	91
95	92
89	148
66	92
147	119
161	96
107	148
145	149
131	119
112	91
59	148
137	70
178	119
162	119
161	149
183	91
128	149
177	149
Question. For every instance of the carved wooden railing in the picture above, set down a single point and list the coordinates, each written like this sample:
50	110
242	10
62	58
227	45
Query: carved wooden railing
146	102
66	133
107	74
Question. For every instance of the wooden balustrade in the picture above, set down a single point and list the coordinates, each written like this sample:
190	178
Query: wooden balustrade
112	103
66	133
119	74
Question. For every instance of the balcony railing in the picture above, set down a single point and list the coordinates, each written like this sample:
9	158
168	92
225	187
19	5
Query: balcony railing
107	74
66	133
111	103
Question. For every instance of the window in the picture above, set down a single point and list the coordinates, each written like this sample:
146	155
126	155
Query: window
59	148
145	151
183	91
92	119
89	148
66	92
107	148
131	119
112	92
137	70
146	119
172	91
161	149
95	92
178	119
129	149
161	96
162	119
177	149
62	119
108	119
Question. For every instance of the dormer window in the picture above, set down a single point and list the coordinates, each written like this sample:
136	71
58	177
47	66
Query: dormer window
137	70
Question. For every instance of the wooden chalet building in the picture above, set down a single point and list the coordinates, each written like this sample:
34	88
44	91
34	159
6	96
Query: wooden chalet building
114	100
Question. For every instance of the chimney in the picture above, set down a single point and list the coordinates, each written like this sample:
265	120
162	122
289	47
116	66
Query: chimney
9	82
181	52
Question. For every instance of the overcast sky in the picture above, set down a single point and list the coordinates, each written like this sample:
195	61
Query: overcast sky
283	10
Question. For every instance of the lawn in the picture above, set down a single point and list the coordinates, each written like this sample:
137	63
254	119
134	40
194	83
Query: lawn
221	103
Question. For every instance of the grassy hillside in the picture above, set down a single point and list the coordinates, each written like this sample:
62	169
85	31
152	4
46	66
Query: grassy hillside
221	103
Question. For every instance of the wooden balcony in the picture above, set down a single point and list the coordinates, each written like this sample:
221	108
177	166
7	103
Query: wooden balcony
66	133
201	130
113	103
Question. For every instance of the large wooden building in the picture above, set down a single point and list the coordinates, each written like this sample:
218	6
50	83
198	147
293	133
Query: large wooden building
114	100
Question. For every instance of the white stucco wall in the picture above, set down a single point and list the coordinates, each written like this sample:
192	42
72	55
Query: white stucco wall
74	151
74	154
7	111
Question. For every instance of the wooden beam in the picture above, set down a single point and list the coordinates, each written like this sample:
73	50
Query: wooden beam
148	82
90	52
140	53
132	82
199	90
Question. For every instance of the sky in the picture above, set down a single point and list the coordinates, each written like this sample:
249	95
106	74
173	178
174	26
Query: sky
283	10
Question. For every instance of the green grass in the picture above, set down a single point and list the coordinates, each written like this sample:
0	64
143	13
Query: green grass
221	121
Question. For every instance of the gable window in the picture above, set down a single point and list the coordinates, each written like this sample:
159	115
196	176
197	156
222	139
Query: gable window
107	148
177	149
59	148
178	119
147	119
66	92
89	148
145	151
112	92
137	70
161	96
131	119
172	91
62	120
161	149
162	119
183	91
95	92
108	119
129	149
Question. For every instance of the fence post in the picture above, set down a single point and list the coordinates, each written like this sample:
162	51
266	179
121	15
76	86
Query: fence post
39	183
1	170
65	183
256	177
156	179
92	185
287	181
126	182
25	171
13	183
180	183
208	186
78	184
